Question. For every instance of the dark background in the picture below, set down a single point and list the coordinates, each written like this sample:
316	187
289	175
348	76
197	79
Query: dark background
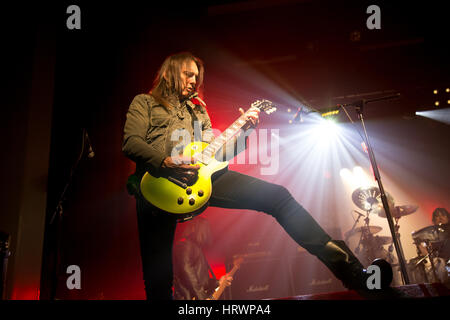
316	51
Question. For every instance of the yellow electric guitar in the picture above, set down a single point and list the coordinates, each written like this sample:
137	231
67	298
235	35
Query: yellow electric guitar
184	201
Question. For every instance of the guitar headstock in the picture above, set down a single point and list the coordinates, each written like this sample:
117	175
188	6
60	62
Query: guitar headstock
237	261
264	105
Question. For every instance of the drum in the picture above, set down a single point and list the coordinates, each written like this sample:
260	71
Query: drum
441	270
429	233
374	249
437	238
421	271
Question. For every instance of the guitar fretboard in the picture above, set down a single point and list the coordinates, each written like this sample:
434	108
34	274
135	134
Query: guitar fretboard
218	142
207	154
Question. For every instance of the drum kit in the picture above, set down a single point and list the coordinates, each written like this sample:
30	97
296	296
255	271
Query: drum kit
371	246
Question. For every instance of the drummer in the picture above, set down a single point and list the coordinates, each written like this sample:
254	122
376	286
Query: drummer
440	219
440	216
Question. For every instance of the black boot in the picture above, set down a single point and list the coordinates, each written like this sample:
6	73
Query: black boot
347	268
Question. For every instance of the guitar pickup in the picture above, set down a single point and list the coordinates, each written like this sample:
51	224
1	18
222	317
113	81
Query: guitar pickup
177	182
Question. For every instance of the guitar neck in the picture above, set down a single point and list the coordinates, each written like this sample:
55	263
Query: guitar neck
226	136
229	133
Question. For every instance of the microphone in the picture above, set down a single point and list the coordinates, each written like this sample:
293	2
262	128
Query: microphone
91	153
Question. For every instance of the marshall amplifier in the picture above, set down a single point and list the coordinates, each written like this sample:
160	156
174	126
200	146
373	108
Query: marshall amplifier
311	276
261	279
269	272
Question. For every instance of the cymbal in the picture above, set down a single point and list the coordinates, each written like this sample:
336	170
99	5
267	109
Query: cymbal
382	240
369	199
370	229
400	211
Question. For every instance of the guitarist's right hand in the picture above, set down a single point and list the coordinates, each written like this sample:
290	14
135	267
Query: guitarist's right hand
180	168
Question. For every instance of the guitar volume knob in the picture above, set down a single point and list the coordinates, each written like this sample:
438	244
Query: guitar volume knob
180	200
188	191
191	201
200	193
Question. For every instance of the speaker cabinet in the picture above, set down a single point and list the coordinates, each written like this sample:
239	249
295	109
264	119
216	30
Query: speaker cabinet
261	279
310	276
272	270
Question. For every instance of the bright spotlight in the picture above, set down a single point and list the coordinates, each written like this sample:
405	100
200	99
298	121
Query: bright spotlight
325	132
361	178
441	115
330	125
326	128
346	175
356	179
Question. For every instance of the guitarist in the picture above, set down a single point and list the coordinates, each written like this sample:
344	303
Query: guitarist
191	269
151	121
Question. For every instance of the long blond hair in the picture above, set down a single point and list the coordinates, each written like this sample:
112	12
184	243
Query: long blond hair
199	231
168	81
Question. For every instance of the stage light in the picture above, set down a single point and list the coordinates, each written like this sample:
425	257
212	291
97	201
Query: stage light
447	90
356	179
435	91
330	112
346	175
436	103
289	110
326	128
325	133
364	147
441	115
448	101
361	178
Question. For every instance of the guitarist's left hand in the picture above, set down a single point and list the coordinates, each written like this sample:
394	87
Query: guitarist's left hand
252	118
226	279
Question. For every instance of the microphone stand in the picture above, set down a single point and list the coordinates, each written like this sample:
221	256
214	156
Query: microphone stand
359	105
58	215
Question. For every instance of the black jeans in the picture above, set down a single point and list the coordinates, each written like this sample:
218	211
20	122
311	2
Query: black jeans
230	190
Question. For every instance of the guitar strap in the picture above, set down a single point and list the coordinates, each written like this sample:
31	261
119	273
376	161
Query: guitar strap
210	270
